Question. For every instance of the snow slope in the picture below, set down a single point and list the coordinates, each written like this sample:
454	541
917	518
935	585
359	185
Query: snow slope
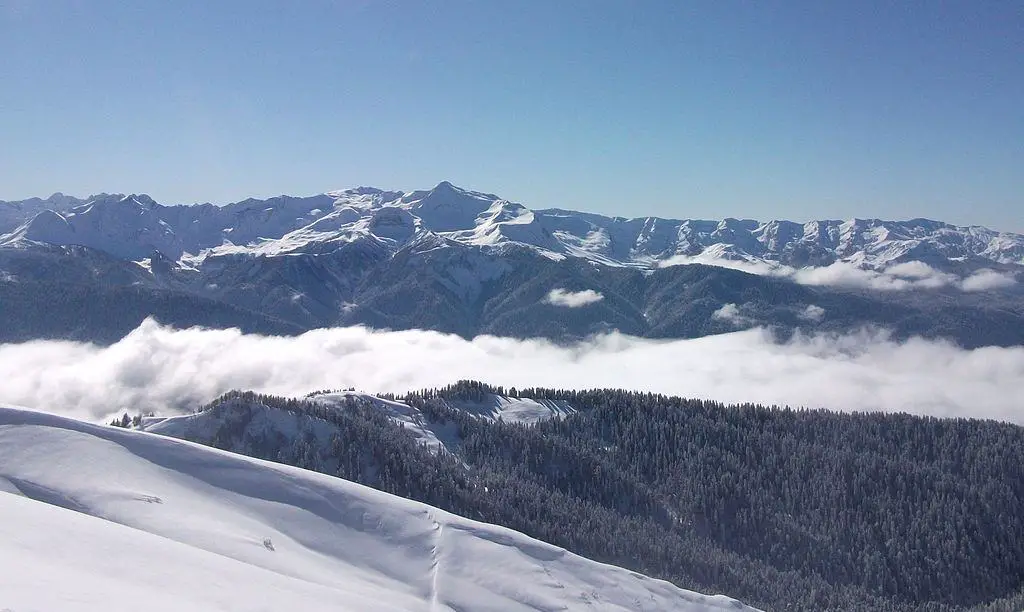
514	409
125	520
68	560
267	422
13	214
433	435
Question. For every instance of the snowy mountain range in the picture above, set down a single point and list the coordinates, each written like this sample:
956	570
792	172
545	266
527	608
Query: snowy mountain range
134	227
148	522
470	263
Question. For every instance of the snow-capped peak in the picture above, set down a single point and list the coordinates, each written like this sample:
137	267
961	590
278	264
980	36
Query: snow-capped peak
134	225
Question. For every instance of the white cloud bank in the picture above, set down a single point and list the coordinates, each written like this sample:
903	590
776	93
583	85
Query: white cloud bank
161	369
573	299
898	277
984	280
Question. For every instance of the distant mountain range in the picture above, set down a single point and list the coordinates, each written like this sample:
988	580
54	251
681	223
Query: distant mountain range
135	226
467	262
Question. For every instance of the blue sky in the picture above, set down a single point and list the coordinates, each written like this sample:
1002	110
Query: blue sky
766	109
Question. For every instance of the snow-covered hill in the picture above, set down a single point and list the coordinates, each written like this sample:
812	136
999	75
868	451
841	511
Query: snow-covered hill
99	518
258	421
134	226
13	214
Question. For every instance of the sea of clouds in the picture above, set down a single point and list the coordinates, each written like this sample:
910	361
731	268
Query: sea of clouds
165	370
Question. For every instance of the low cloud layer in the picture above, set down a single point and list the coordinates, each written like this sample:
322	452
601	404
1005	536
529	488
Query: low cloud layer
898	277
573	299
165	370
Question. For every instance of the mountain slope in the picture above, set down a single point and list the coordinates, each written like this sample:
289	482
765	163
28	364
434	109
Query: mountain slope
270	532
68	560
471	263
13	214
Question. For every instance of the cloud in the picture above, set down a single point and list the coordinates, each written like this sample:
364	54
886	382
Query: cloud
166	370
730	313
758	267
897	277
985	279
842	274
573	299
919	271
812	313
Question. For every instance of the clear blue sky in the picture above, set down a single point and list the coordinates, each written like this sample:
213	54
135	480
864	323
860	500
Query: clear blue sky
769	109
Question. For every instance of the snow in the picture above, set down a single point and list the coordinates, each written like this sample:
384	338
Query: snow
111	519
146	264
125	226
467	276
272	422
264	421
447	208
515	409
134	226
432	435
67	560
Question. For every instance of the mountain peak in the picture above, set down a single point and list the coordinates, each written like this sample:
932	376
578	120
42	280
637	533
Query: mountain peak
139	199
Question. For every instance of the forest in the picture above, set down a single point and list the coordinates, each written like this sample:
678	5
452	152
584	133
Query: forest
784	509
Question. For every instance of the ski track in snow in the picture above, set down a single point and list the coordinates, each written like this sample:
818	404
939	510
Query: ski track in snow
435	567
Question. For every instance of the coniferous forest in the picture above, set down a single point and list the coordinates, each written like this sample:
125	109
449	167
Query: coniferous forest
783	509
